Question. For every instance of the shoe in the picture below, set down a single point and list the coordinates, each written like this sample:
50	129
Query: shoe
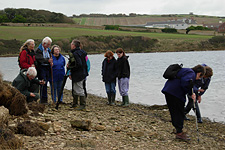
186	118
81	108
182	136
200	120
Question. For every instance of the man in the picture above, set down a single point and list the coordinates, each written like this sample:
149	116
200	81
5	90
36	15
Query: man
200	87
78	75
44	64
175	91
25	83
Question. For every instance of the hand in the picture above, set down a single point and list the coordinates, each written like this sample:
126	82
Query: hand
199	99
201	90
70	77
50	60
32	65
193	96
32	95
42	82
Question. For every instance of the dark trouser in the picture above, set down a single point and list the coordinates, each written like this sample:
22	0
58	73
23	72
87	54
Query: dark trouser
176	108
34	88
44	73
190	106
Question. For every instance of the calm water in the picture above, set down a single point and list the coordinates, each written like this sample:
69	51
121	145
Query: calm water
146	79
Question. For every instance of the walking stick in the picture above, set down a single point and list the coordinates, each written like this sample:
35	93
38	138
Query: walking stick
194	108
52	82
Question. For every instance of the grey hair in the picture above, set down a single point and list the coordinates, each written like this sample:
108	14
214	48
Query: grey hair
25	44
32	71
46	40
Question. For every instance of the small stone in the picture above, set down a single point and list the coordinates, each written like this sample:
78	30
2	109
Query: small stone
100	127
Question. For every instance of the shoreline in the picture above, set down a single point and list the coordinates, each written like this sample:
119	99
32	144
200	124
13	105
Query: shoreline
115	127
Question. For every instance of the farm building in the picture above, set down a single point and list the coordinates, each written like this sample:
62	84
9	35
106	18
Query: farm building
213	26
177	24
221	28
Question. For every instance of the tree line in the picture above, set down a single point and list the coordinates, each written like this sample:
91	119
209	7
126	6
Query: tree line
24	15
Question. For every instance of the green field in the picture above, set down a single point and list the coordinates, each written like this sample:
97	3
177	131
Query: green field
24	33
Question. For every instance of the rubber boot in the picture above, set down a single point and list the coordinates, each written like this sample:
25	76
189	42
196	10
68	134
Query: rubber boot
123	101
82	103
75	101
198	114
109	98
113	96
126	99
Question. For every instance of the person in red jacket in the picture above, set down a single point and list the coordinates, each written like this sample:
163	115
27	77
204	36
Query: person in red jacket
27	55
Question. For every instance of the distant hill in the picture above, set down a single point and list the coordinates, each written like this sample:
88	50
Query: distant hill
124	20
25	15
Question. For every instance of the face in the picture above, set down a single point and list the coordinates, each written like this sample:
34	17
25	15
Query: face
30	77
31	46
56	51
119	55
47	45
110	57
198	76
72	46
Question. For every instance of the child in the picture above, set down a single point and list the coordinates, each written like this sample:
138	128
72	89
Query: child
109	76
123	74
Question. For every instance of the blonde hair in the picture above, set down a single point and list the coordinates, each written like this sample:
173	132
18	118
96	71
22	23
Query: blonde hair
25	44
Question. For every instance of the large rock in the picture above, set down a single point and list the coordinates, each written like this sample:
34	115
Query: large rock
81	124
4	116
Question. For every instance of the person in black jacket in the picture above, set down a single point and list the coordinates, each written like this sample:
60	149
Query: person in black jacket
78	75
123	74
44	63
109	76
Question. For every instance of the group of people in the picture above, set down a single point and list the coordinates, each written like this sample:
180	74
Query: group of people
190	82
44	64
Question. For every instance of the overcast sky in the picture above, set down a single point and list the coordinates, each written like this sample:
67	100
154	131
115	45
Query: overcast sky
77	7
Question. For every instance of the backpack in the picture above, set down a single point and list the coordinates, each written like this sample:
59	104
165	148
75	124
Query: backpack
171	71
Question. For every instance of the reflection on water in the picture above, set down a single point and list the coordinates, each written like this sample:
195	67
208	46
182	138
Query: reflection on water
146	79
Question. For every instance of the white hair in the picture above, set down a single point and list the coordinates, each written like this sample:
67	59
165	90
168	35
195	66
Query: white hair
25	44
32	71
46	40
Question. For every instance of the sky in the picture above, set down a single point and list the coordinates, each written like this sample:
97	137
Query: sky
151	7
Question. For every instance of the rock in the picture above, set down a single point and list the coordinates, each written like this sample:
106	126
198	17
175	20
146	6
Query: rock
100	127
117	129
4	116
84	143
136	133
81	124
44	126
56	126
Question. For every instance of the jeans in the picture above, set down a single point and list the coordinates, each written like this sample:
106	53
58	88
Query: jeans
57	88
110	87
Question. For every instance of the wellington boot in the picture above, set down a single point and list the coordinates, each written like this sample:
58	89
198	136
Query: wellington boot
113	96
82	103
75	101
125	101
109	99
81	108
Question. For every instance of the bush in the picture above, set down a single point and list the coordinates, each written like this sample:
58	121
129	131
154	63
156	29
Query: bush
169	30
112	27
217	40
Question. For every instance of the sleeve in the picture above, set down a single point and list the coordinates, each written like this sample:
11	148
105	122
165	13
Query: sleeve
24	60
186	80
126	67
205	86
88	63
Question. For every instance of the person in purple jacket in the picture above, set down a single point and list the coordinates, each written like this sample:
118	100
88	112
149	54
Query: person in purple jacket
175	91
200	86
58	70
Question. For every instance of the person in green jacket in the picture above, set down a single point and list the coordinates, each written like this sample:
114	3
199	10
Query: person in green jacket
25	83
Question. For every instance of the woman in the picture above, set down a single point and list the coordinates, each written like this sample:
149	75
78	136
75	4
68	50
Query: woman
109	76
27	56
58	71
175	91
123	74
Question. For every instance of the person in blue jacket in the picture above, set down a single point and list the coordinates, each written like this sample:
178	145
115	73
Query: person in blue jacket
175	91
58	70
109	73
199	88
